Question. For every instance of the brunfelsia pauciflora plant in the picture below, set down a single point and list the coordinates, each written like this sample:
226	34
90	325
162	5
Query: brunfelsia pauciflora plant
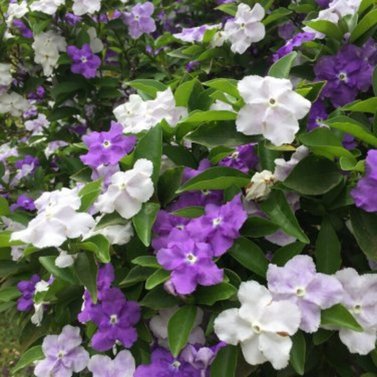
189	188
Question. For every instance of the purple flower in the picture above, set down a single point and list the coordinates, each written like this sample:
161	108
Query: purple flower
323	3
346	74
286	30
22	28
28	161
316	115
189	173
197	199
299	282
365	193
296	41
190	262
369	51
107	147
244	158
64	355
24	202
139	20
115	318
192	66
85	63
27	289
72	19
220	225
163	364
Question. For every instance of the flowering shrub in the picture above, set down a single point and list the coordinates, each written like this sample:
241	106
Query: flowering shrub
189	188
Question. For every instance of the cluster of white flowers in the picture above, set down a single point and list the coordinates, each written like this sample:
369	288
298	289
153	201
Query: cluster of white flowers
13	103
5	75
336	10
137	115
272	109
16	10
128	190
57	219
243	30
47	47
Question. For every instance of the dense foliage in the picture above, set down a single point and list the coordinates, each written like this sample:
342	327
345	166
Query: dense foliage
189	188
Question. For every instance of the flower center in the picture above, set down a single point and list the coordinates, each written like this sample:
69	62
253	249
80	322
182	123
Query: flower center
272	101
106	144
216	222
357	309
300	292
83	59
343	76
191	258
235	155
175	364
61	354
113	319
242	26
180	227
256	328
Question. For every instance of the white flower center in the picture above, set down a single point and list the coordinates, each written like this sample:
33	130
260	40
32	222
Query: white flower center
83	59
191	258
106	144
175	364
272	102
235	155
216	222
357	309
343	76
256	328
113	319
61	354
180	227
300	292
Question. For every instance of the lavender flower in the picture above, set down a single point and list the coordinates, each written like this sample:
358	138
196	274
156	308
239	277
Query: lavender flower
244	158
365	194
24	202
139	20
27	288
22	28
164	364
122	366
299	283
346	74
107	147
296	41
316	115
64	355
85	63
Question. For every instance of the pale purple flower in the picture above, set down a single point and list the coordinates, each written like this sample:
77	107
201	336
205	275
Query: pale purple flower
139	20
365	193
84	62
123	365
107	147
190	262
22	28
296	41
165	365
243	158
286	30
105	172
27	288
63	354
24	202
299	283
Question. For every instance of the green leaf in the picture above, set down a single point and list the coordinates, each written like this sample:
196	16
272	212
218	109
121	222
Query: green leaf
150	147
364	226
352	127
313	176
311	90
65	274
158	299
230	9
215	293
32	354
280	213
9	293
258	227
368	106
326	27
180	156
276	15
189	212
146	261
179	328
85	268
136	275
321	336
215	134
228	86
99	245
216	178
157	278
89	193
366	23
286	253
184	92
249	255
198	116
147	86
327	249
144	220
298	353
168	184
4	207
225	363
339	316
282	67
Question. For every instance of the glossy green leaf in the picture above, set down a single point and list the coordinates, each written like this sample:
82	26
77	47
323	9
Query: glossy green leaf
326	27
158	299
339	316
286	253
146	261
4	207
147	86
144	220
99	245
32	354
157	278
89	193
225	363
298	353
230	9
168	184
9	293
282	67
211	295
367	106
209	116
258	227
228	86
367	22
276	15
85	268
179	328
189	212
65	274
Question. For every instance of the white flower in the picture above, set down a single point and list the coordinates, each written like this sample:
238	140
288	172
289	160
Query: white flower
96	44
47	47
344	7
37	317
64	259
56	220
46	6
260	325
272	109
283	168
360	298
13	103
5	75
219	39
16	10
159	327
128	190
36	126
260	185
245	28
81	7
7	151
137	115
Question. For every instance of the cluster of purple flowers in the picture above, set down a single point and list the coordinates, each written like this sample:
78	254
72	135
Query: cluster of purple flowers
114	316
